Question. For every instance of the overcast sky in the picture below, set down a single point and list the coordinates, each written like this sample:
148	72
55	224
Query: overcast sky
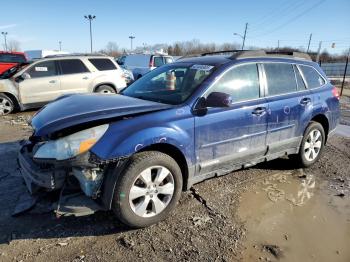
42	24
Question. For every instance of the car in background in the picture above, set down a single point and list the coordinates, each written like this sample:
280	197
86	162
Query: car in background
128	75
47	79
10	59
141	64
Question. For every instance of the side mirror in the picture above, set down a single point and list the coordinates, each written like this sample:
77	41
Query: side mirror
218	99
25	76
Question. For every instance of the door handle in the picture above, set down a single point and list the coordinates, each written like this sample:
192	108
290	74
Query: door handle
259	111
305	101
85	78
52	81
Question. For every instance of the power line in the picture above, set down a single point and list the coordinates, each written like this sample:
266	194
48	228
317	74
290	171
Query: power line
293	18
294	5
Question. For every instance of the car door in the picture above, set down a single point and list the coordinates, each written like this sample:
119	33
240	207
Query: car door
226	137
290	105
74	76
40	83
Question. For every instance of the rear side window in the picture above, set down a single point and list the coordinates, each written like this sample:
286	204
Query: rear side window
168	59
312	77
158	61
102	64
72	66
280	78
43	69
300	81
241	83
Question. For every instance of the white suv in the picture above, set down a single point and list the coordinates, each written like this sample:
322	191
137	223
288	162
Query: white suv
49	78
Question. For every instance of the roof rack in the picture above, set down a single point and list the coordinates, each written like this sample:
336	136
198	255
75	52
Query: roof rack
237	54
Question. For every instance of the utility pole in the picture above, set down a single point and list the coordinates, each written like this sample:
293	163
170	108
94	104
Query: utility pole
318	52
278	45
243	36
60	45
90	18
346	68
308	45
5	34
131	38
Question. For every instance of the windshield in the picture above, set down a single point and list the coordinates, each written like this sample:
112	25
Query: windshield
171	84
12	58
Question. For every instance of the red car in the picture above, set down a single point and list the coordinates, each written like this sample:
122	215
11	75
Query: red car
10	59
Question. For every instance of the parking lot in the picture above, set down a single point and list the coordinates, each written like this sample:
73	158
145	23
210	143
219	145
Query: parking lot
218	219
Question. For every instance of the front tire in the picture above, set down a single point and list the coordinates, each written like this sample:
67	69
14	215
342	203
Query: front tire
147	190
312	145
7	106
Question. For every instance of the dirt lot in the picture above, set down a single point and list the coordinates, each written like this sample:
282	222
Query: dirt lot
269	212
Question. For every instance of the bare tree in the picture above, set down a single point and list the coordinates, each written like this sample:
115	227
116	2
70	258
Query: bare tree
111	49
13	45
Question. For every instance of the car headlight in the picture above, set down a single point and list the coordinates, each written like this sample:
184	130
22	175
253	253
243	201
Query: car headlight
72	145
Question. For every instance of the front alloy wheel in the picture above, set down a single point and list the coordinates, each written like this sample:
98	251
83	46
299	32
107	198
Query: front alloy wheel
147	190
152	191
6	105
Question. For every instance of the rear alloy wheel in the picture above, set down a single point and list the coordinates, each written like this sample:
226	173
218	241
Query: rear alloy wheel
148	189
6	105
104	89
312	145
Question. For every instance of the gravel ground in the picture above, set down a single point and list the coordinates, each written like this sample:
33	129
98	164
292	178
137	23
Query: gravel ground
204	227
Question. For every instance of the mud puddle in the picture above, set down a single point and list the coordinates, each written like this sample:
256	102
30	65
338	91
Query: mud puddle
292	217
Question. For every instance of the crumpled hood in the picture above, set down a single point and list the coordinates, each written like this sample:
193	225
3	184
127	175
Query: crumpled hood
72	110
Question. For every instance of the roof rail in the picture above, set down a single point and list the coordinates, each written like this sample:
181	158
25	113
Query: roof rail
263	53
74	54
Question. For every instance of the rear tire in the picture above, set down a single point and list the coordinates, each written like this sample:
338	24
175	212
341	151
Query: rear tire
147	190
312	145
7	106
105	89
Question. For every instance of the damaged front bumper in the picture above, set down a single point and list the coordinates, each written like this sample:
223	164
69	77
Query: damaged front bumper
79	179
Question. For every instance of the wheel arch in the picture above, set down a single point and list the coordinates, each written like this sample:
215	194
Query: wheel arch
323	120
105	84
14	100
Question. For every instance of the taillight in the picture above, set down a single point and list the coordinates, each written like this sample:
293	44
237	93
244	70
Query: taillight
151	64
335	93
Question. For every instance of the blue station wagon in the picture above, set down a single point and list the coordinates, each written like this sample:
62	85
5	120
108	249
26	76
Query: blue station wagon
180	124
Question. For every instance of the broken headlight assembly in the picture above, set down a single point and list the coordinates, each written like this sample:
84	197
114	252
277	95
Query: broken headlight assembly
72	145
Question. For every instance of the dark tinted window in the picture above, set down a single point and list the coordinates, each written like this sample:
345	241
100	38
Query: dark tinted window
241	82
158	61
312	77
12	58
43	69
280	78
102	64
72	66
300	81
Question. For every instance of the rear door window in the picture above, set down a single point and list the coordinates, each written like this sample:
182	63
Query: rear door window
168	59
102	64
158	61
280	78
240	82
312	77
72	66
43	69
